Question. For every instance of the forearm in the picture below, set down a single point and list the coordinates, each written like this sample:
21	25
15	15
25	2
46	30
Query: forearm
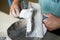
16	1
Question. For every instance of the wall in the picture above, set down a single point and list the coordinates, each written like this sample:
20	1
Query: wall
4	6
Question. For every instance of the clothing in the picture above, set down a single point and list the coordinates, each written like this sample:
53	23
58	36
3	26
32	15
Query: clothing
10	2
50	6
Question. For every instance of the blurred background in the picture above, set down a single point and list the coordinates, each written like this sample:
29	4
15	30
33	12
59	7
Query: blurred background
5	7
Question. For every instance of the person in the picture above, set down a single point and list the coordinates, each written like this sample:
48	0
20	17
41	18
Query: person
17	5
51	9
52	12
53	20
13	6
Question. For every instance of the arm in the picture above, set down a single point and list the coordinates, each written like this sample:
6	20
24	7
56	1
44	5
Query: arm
10	2
14	7
16	1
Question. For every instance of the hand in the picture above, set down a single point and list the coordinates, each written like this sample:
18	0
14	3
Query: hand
14	7
52	22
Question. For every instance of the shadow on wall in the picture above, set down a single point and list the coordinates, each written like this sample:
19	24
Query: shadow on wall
4	6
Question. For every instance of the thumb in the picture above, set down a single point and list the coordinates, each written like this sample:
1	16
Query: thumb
47	15
45	20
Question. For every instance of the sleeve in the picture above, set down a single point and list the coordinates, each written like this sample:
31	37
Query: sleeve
10	2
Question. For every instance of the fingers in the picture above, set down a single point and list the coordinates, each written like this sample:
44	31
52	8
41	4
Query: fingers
47	24
17	11
14	11
48	15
